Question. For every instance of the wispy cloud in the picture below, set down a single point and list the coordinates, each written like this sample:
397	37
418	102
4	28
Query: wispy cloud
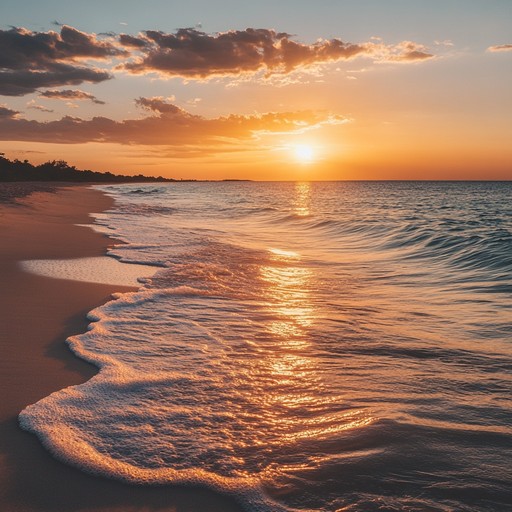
406	52
71	94
34	106
500	48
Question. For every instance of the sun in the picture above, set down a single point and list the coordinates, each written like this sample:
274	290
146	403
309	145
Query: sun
304	153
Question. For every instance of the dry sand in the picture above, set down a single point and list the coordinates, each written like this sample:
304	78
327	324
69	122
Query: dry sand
37	315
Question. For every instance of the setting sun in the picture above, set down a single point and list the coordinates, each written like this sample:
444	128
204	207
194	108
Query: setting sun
304	153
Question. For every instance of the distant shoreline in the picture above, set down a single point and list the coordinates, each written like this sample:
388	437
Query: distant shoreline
60	170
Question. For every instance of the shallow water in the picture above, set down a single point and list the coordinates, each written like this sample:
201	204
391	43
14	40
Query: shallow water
303	346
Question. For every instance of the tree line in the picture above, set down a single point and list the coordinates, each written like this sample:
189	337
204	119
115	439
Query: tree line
60	170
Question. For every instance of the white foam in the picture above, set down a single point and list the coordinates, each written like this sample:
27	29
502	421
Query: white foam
98	228
101	269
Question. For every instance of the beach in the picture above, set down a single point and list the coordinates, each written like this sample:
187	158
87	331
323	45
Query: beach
38	314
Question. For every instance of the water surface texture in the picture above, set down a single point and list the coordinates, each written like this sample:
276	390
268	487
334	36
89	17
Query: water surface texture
303	346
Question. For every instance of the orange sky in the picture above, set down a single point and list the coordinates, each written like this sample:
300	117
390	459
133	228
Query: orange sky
424	95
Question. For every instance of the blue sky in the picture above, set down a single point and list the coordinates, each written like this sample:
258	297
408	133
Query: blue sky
476	23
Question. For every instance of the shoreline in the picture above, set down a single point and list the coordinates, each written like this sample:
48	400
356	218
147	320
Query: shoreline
38	314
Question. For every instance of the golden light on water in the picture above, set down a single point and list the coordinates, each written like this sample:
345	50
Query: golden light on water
288	283
302	198
288	303
294	378
285	254
289	306
287	286
297	379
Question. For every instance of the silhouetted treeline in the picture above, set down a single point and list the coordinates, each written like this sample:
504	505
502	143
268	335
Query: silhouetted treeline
59	170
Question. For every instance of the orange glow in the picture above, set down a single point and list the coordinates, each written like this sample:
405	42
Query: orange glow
293	125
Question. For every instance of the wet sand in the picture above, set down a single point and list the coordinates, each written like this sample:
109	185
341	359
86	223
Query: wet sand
37	315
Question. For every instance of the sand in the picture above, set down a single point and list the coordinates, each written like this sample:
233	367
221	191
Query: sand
37	315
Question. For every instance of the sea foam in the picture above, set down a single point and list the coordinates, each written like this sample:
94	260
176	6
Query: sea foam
100	269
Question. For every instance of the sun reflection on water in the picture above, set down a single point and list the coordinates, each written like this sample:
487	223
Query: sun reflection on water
302	198
297	395
287	291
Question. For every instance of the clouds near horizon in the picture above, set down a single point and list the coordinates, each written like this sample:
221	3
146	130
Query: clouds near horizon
168	125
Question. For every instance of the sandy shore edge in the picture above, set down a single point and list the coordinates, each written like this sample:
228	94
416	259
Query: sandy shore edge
37	315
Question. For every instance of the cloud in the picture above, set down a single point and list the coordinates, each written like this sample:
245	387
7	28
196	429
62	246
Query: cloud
406	51
69	94
500	48
7	113
190	53
33	105
446	42
28	152
132	41
31	60
20	83
194	102
40	107
158	104
168	126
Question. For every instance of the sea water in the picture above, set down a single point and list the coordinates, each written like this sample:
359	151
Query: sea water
303	346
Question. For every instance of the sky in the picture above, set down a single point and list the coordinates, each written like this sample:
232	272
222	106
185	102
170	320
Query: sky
267	90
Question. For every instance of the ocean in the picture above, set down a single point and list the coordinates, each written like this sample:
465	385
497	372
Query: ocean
326	346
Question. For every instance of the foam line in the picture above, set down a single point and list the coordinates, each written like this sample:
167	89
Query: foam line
101	269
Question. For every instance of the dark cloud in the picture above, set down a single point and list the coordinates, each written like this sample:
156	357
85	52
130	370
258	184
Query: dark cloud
7	113
69	94
33	60
23	49
190	53
108	34
158	104
169	126
30	60
21	82
500	48
132	41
